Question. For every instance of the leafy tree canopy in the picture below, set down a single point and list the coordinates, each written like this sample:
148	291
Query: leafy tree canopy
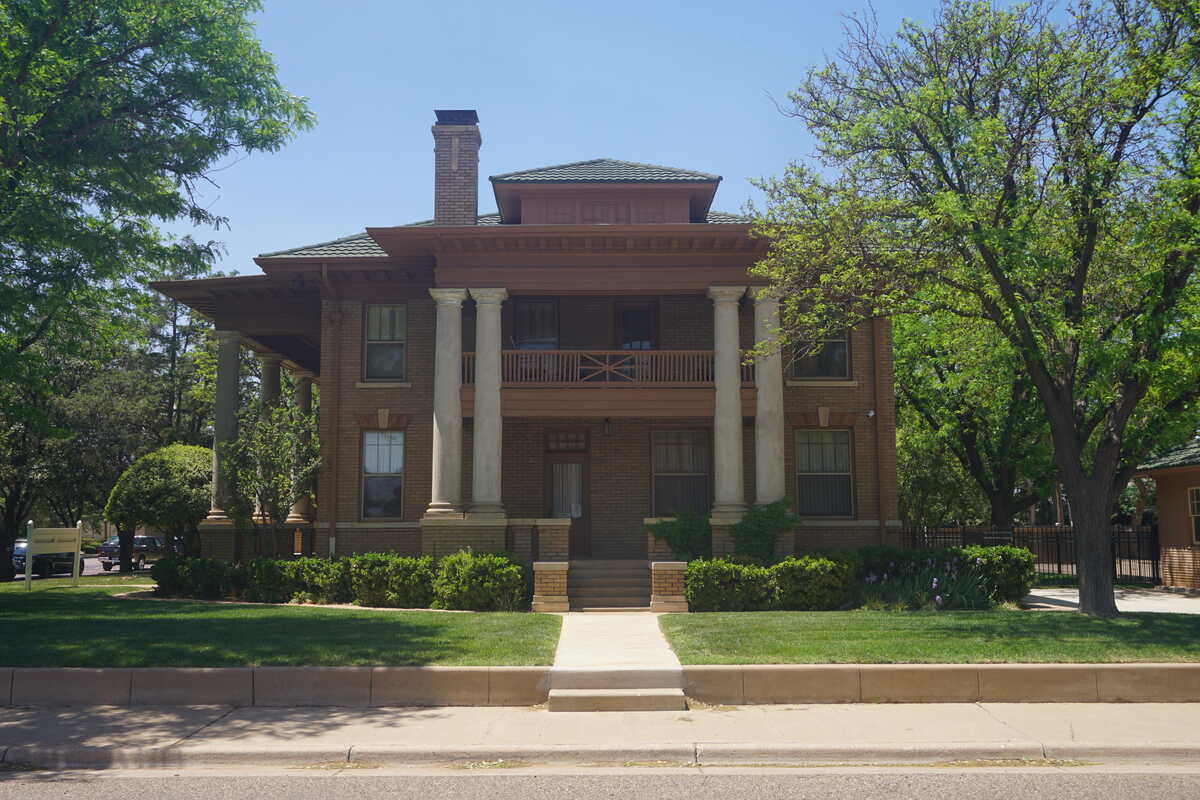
168	489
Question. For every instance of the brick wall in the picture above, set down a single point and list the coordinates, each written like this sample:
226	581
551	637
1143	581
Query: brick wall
455	174
1180	556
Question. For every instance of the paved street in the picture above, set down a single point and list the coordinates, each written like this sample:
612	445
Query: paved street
1070	783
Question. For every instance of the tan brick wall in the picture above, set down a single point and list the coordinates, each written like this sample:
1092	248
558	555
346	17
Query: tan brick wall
1180	556
550	582
442	539
456	191
667	582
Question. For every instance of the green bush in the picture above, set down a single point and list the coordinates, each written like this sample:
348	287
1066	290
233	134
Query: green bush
688	535
268	581
188	576
1009	571
90	546
754	536
167	489
813	582
720	585
319	580
481	582
390	581
947	578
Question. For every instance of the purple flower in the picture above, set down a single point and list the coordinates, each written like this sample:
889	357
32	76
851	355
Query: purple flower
979	562
937	599
935	583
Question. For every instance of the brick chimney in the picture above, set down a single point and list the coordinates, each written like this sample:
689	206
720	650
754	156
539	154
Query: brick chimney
456	167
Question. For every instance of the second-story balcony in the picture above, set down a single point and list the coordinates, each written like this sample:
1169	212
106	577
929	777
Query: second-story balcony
605	368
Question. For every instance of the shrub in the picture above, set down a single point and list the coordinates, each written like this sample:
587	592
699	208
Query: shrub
720	585
268	581
754	536
688	535
168	489
481	582
1008	571
391	581
319	580
188	576
813	582
950	578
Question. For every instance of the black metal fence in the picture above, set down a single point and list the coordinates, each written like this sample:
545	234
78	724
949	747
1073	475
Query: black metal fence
1135	549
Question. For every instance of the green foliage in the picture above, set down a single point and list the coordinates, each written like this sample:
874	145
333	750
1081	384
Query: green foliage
1035	178
386	580
267	580
755	534
272	463
1008	572
688	535
189	576
813	583
320	580
113	114
481	582
720	585
168	489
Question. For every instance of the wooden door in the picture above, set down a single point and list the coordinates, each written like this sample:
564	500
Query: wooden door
568	497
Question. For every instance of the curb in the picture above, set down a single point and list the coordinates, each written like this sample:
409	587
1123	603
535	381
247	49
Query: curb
690	754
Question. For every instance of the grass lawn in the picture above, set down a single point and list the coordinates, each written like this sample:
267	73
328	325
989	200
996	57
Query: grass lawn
955	637
57	626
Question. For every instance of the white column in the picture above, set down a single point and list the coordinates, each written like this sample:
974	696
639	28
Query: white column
487	433
446	497
225	424
769	480
269	385
729	491
301	511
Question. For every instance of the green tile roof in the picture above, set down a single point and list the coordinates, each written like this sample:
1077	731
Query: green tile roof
1186	456
362	245
600	170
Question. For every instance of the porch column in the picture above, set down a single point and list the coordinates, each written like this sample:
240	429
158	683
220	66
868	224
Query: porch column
727	420
485	465
446	497
225	423
301	511
268	387
769	479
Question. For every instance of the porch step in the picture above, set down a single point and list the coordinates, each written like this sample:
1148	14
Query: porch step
610	609
616	584
616	678
617	700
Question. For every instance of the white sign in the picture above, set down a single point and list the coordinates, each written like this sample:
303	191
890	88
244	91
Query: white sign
42	541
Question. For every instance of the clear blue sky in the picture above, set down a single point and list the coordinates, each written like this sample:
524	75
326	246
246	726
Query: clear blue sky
686	84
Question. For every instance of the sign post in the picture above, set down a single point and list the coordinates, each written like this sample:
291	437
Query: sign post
51	541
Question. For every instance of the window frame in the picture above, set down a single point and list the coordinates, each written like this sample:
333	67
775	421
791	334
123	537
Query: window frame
708	476
846	337
519	303
365	342
852	475
362	476
1193	509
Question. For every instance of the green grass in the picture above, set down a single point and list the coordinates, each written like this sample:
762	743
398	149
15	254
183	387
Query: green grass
57	626
107	579
953	637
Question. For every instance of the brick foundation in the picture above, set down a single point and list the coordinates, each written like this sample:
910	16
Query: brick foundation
442	537
550	587
666	586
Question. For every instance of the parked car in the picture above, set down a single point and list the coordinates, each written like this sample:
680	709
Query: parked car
44	564
146	550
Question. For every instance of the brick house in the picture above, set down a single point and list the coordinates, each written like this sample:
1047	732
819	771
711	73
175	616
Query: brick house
546	378
1176	475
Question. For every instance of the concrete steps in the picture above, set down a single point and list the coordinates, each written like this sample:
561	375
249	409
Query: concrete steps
622	584
617	700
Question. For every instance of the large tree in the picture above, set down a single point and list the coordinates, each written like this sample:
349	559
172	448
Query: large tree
1030	173
113	113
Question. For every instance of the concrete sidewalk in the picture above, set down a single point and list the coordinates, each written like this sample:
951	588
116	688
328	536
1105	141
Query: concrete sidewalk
1128	600
217	736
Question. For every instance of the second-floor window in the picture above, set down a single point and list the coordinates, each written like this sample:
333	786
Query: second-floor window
680	463
385	346
823	359
535	325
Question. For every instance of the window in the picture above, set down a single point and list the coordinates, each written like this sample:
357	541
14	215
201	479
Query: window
635	326
680	472
823	359
824	477
386	334
383	474
1194	509
535	324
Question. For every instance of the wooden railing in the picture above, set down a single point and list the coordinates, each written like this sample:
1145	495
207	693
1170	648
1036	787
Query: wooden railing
604	368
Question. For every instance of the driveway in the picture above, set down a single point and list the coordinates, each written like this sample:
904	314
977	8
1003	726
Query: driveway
1127	600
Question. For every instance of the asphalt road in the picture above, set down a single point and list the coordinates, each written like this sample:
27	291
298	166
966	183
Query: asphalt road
91	566
1171	783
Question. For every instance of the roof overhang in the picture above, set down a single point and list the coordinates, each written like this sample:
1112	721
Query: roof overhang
508	193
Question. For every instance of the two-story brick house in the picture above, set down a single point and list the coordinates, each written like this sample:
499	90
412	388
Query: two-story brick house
547	378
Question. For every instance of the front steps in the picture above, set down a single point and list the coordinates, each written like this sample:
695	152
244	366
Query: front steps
609	585
605	689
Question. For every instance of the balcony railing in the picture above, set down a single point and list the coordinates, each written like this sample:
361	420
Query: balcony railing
602	368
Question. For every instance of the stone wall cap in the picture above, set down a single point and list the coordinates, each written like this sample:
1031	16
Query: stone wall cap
551	566
668	565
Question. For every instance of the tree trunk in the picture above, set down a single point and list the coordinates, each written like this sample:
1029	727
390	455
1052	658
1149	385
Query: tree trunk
125	537
1093	547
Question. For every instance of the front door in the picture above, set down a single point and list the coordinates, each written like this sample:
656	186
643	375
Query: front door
567	489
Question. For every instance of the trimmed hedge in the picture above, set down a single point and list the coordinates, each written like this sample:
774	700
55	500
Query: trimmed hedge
390	581
951	578
471	581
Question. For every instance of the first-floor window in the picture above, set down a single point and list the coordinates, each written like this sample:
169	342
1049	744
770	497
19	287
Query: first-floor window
383	474
824	476
1194	508
680	466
